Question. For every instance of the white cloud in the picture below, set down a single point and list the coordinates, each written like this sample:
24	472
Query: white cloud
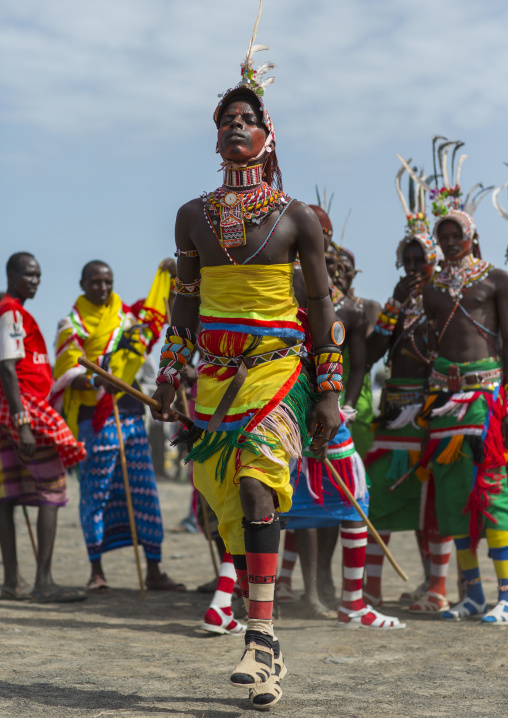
363	70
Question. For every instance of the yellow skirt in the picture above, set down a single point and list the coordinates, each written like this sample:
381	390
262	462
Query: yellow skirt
224	498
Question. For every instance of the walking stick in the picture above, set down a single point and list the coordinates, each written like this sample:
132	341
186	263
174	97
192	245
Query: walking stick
130	509
371	528
30	532
130	390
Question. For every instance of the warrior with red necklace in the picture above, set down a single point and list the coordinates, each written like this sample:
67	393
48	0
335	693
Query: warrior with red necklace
256	407
466	409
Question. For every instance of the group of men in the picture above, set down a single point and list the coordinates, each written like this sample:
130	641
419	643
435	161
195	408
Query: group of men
281	339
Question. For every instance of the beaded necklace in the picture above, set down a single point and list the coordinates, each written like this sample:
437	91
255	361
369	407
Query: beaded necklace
457	276
414	316
260	249
338	298
231	208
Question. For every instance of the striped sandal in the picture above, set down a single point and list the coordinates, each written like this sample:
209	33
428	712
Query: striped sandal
266	695
217	621
255	667
414	596
430	602
367	617
467	608
498	615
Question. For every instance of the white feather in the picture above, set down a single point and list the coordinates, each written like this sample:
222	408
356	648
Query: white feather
417	179
254	48
266	67
402	199
459	167
496	202
267	82
444	165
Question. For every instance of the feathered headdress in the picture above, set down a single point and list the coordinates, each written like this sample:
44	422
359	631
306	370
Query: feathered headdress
449	196
417	227
250	83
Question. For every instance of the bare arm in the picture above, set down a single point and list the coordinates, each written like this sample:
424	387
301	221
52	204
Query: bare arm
186	308
325	419
371	309
10	387
357	352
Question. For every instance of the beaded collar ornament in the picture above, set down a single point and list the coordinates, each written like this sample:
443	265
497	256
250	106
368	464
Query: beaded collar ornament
230	210
457	276
338	297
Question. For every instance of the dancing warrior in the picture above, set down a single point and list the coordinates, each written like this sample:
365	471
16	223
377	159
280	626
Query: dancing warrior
253	401
108	332
402	333
36	445
466	302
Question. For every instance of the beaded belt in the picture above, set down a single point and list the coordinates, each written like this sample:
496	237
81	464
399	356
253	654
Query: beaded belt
255	359
470	381
400	398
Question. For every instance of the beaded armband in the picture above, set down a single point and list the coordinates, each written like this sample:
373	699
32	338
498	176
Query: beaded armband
188	290
387	318
329	371
20	418
187	253
175	354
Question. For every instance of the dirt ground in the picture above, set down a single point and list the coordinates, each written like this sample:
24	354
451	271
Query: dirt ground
115	655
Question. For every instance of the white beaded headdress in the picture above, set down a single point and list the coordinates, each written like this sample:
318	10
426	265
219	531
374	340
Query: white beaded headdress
417	227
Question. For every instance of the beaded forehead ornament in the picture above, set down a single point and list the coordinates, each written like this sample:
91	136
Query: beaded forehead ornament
417	228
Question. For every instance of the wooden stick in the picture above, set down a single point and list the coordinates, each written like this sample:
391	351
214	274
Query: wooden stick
130	509
371	528
30	532
123	386
405	476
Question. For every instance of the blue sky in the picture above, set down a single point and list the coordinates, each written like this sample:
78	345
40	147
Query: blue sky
106	122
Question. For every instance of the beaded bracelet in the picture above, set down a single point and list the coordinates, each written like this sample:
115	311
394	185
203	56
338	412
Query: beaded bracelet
90	380
388	317
175	354
21	418
329	371
188	290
